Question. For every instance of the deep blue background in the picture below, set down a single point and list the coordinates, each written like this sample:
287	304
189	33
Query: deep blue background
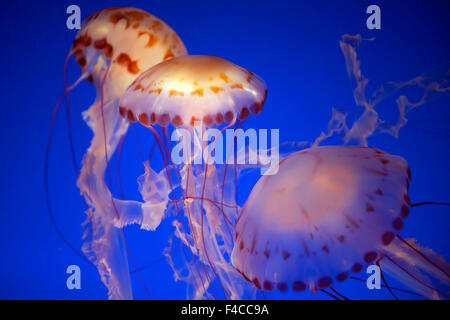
293	45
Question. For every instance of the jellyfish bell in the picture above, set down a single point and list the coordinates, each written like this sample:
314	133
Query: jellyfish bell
212	91
113	47
195	87
128	39
330	204
327	212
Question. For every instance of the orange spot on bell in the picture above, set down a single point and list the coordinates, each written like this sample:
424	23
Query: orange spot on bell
169	54
122	111
85	40
256	108
108	50
198	92
156	24
123	59
116	17
193	120
153	118
175	92
244	114
131	116
151	38
136	15
164	119
224	77
216	89
82	61
237	86
158	91
229	117
133	67
78	52
177	121
219	118
76	42
143	118
208	120
250	76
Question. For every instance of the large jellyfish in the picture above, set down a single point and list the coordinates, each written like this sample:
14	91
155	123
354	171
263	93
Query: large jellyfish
194	93
113	47
345	205
342	207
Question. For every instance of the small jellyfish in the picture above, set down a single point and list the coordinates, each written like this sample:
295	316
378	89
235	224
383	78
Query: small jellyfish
328	211
113	47
194	93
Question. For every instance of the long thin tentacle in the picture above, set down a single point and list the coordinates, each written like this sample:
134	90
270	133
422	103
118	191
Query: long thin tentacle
423	256
384	280
46	161
415	278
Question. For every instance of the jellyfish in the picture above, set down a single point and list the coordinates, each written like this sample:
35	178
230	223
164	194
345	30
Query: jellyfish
113	47
432	84
195	93
327	212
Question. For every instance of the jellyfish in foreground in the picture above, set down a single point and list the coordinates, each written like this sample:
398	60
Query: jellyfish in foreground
113	47
341	208
194	93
